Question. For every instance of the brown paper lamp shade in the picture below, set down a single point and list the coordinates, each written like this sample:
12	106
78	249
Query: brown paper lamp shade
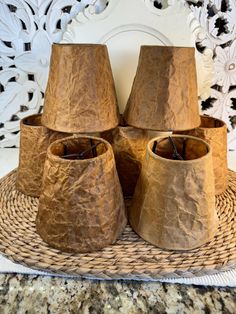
174	200
81	208
164	92
214	131
34	141
129	146
80	95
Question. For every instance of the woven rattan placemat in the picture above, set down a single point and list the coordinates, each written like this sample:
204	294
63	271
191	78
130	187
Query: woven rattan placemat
131	257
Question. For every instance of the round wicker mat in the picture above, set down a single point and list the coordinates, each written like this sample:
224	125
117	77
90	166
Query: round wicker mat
131	257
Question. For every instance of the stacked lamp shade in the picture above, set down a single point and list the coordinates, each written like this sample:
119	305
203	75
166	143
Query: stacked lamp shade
81	179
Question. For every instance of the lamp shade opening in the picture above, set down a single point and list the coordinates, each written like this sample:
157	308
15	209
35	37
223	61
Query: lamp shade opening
210	122
180	148
34	120
84	148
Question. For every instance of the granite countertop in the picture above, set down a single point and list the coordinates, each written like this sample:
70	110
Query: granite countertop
42	294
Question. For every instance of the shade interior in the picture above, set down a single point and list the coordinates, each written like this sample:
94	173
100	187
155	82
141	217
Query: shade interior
210	122
34	120
179	148
79	149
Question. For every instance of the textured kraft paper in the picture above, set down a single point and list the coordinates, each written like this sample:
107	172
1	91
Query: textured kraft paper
164	92
80	95
174	201
81	208
214	131
34	141
129	147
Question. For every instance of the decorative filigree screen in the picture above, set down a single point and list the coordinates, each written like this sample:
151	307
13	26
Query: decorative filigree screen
218	18
29	27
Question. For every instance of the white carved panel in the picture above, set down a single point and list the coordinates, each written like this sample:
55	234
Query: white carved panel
218	18
28	28
126	25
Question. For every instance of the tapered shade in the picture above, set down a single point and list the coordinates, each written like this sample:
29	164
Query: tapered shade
80	95
214	131
164	93
34	141
174	201
81	208
129	146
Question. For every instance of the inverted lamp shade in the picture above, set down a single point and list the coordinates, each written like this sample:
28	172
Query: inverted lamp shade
80	95
164	92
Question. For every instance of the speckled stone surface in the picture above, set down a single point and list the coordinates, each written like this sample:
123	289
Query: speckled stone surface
38	294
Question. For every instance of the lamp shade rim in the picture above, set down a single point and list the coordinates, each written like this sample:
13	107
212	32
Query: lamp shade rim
59	159
23	121
77	130
170	46
223	124
180	248
95	248
139	126
190	161
78	44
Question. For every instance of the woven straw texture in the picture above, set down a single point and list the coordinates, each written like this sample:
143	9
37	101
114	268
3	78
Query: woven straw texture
131	257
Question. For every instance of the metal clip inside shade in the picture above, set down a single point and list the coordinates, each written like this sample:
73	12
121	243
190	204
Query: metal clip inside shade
176	155
94	151
81	155
154	147
184	149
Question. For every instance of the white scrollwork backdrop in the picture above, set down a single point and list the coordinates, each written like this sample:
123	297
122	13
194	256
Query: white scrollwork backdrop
218	18
29	27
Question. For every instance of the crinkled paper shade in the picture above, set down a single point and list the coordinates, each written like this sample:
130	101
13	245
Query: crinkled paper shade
129	258
80	95
214	131
164	92
34	141
81	208
129	146
174	201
